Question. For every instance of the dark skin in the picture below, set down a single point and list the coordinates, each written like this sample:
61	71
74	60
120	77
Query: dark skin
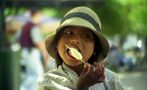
94	77
82	39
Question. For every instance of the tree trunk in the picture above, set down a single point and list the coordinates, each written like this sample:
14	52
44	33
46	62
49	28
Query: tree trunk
9	67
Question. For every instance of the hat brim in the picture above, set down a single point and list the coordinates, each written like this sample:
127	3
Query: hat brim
48	44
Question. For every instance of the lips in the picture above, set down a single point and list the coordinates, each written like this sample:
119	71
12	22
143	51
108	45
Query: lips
69	53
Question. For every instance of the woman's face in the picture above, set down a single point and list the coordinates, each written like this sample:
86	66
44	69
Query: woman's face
77	37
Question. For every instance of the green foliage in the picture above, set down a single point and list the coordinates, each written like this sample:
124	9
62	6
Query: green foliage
124	17
110	18
52	12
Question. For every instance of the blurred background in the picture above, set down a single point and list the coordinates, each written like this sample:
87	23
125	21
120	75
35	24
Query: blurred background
124	23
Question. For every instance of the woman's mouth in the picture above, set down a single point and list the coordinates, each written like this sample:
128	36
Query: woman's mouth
69	53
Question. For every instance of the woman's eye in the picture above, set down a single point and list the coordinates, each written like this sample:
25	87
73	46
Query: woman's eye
68	32
86	35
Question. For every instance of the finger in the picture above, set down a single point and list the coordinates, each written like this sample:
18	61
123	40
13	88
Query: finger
95	63
103	68
86	68
100	70
90	69
99	67
101	79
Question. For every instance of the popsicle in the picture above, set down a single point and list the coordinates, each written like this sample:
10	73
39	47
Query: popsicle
75	53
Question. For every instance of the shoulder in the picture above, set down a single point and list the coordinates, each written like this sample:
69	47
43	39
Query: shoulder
46	79
110	75
52	75
54	80
42	80
112	80
47	76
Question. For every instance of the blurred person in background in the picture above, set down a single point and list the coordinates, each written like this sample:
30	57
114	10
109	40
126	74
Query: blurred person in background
34	57
119	60
116	57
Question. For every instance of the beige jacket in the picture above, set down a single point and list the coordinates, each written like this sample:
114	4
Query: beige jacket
63	78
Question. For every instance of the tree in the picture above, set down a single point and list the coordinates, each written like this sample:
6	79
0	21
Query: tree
124	17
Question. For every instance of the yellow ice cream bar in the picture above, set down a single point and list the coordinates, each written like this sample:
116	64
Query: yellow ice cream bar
75	53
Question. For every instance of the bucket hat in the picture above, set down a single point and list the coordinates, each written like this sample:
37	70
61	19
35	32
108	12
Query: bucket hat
84	17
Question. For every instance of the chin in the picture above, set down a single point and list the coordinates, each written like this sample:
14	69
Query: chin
74	64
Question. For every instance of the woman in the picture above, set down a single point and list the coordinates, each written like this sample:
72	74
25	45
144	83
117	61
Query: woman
79	29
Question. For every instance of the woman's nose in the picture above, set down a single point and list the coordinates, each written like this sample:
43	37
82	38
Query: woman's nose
75	41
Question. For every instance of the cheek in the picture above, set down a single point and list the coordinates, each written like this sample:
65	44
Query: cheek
89	51
60	47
